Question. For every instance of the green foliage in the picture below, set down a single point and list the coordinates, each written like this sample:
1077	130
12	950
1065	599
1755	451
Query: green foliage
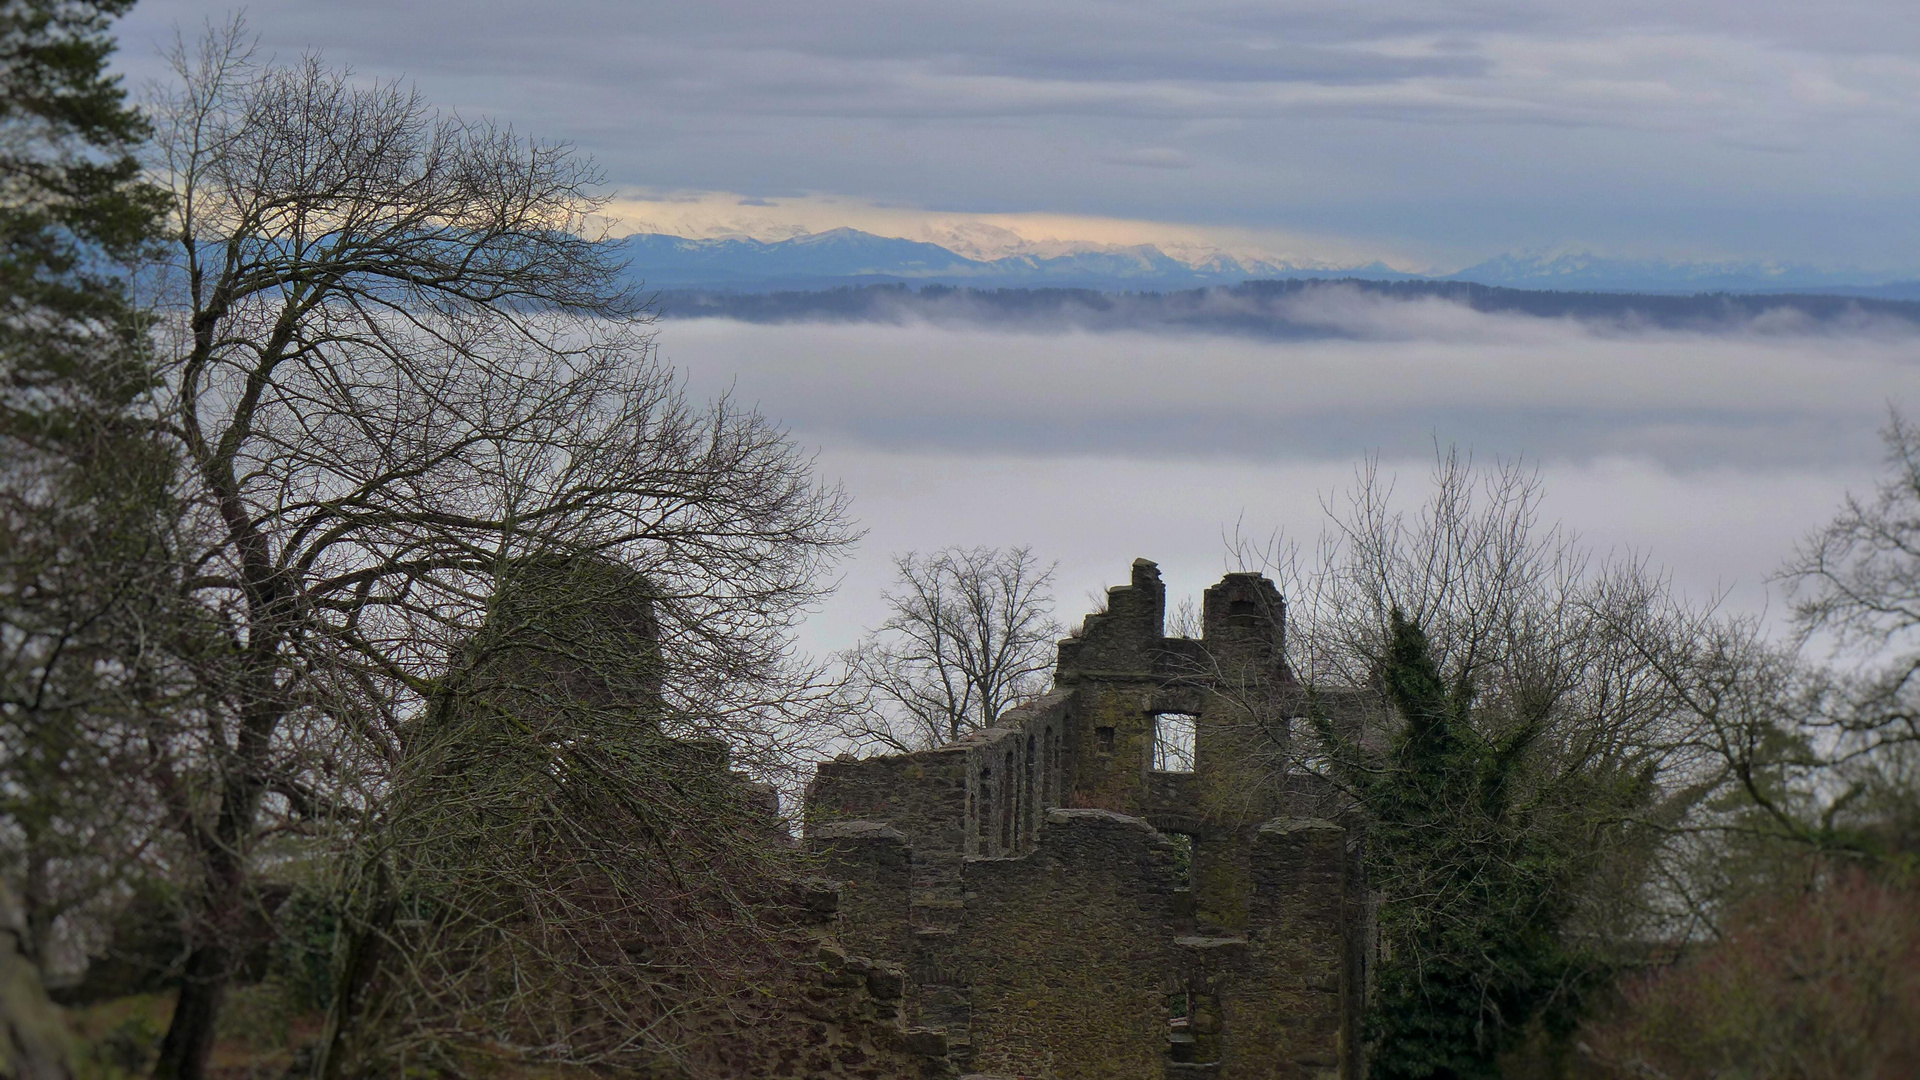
144	946
82	477
118	1040
1479	866
75	211
305	931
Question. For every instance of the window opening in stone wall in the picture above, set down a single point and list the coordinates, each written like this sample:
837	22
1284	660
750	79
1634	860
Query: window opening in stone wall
1026	791
1049	760
1193	1020
1006	807
1103	739
1173	739
980	820
1182	860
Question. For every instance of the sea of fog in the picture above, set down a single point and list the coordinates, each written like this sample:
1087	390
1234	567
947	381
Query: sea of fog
1709	453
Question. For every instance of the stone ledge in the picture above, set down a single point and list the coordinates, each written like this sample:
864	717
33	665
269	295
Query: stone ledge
1289	826
1063	816
1210	942
856	830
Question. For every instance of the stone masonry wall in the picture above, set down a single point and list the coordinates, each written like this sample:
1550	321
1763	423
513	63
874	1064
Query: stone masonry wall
1066	950
1284	1014
872	866
923	795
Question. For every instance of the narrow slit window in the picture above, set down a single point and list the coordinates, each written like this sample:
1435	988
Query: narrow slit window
984	808
1173	736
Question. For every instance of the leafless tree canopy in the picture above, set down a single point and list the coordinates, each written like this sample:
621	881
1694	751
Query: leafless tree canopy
551	878
971	633
1604	686
1860	575
398	367
1857	581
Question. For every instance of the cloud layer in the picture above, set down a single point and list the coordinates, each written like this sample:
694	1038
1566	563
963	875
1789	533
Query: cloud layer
1718	532
1404	374
1708	453
1446	131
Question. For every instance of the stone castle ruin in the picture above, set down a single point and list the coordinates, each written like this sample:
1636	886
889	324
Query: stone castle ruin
1119	879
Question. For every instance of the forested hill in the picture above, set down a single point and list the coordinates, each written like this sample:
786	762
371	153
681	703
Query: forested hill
1290	308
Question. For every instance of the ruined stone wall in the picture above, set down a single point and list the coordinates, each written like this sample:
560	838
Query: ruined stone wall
1283	1012
1016	771
1122	671
1065	951
872	867
1029	746
983	795
923	795
835	1016
1062	891
1109	669
1065	959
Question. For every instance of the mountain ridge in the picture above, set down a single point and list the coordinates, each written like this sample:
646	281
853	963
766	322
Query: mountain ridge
847	256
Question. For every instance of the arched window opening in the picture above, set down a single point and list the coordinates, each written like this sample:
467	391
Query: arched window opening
1049	762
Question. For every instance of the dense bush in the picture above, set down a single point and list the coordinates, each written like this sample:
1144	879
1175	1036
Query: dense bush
1823	983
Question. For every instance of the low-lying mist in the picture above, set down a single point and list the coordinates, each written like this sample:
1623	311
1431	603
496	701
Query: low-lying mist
1709	451
1289	310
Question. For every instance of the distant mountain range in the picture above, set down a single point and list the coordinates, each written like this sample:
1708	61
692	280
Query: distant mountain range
851	257
1593	273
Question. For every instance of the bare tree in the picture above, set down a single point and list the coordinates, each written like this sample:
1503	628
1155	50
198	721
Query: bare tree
1817	760
399	366
1857	582
971	633
548	877
1484	697
1858	579
1859	575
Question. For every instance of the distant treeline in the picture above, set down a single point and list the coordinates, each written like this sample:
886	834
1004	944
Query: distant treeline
1292	308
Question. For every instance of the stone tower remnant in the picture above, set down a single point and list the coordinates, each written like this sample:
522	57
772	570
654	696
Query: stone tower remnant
1119	878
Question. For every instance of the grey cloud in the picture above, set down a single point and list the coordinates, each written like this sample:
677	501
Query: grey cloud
1379	120
1152	157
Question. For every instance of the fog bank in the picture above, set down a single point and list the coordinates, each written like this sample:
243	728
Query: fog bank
1708	453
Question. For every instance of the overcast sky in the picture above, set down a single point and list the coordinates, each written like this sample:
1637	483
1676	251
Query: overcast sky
1431	134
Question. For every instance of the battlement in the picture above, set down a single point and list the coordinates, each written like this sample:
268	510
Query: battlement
1243	620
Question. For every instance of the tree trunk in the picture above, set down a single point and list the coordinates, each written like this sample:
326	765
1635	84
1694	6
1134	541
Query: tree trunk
183	1054
36	902
356	973
219	935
